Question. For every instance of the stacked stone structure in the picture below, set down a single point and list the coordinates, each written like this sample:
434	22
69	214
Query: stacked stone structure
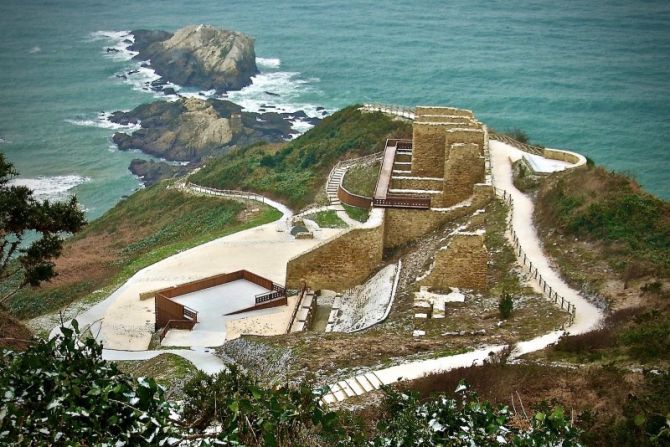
447	164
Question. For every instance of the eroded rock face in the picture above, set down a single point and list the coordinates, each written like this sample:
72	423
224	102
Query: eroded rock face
191	129
199	56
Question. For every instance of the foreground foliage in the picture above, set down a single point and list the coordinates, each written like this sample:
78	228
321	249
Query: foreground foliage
61	392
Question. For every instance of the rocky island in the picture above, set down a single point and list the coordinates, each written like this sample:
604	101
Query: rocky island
200	56
191	129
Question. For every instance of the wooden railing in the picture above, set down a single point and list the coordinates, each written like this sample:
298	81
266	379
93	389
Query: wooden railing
547	291
403	201
530	148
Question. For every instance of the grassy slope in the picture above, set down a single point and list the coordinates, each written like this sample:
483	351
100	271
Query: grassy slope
150	225
597	205
295	172
362	180
611	238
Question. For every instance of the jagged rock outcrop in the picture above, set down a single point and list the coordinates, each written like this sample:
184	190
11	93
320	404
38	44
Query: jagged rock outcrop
199	56
150	171
191	129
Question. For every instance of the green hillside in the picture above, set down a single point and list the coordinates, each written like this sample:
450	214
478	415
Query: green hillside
294	172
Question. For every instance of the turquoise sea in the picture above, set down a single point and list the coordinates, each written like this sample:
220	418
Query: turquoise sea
591	76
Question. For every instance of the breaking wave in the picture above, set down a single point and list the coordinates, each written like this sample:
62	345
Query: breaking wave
51	188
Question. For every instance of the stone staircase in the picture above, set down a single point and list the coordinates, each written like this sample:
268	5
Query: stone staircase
334	182
353	386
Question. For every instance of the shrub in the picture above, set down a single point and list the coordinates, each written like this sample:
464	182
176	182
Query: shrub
505	305
61	392
465	421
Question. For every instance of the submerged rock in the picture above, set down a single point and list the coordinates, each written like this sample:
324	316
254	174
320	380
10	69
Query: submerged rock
199	56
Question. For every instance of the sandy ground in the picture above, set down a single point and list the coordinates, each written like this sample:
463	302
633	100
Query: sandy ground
124	322
128	322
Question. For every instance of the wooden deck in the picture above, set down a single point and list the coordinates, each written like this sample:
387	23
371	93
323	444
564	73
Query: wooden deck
382	198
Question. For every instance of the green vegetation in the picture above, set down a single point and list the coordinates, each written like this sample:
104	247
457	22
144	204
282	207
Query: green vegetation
294	172
327	219
359	214
505	305
61	392
24	262
597	205
362	180
518	134
168	370
633	413
150	225
84	400
633	334
502	274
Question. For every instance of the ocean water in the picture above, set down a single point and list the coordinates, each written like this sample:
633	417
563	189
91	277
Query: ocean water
591	76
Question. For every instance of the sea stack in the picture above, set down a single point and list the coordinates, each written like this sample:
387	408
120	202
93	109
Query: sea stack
200	56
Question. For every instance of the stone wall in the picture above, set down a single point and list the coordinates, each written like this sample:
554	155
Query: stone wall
464	167
466	135
430	110
455	121
405	182
342	262
427	150
462	263
406	225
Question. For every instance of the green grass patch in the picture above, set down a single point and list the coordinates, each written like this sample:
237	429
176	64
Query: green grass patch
327	219
295	172
359	214
362	180
501	270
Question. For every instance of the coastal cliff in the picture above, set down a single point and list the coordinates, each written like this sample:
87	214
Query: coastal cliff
200	56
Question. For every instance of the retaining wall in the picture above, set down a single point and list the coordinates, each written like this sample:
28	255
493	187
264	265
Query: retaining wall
428	150
407	182
342	262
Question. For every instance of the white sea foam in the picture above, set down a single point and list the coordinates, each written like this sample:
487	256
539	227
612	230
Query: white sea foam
271	90
34	50
268	62
282	89
118	48
102	121
301	126
52	188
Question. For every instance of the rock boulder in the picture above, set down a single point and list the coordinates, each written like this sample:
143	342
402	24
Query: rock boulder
199	56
